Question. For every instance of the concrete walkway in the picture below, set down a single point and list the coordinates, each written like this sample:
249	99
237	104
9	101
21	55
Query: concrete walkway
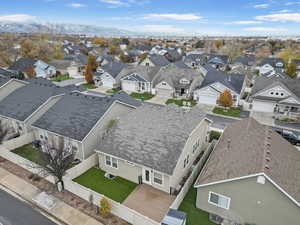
61	211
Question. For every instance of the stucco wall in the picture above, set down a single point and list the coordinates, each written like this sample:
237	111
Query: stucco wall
260	204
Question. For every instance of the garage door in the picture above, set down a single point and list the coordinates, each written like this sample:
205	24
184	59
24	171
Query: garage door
108	83
128	86
209	100
259	106
165	93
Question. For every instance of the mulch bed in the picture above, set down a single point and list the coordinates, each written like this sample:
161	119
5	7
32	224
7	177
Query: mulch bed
66	196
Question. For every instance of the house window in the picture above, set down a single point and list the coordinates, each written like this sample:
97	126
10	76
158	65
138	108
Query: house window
158	178
186	161
219	200
111	161
196	146
272	93
164	83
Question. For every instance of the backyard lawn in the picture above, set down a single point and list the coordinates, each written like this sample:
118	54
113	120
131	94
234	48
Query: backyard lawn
89	86
195	216
142	96
116	189
228	112
113	90
179	102
28	152
62	77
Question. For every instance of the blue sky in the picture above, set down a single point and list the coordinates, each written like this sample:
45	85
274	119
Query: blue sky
202	17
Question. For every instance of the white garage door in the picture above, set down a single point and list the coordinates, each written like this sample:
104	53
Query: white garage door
209	100
259	106
165	93
108	83
128	86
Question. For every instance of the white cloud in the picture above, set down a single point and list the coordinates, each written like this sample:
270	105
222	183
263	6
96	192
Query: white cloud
284	11
245	22
17	18
270	29
173	16
115	3
77	5
123	3
162	29
261	6
292	3
281	17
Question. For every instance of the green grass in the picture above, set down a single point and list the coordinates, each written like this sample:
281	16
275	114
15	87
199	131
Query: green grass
62	77
194	216
116	189
228	112
89	86
142	96
179	102
28	152
113	90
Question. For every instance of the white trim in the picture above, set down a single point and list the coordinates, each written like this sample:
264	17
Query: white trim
111	161
220	195
162	178
144	176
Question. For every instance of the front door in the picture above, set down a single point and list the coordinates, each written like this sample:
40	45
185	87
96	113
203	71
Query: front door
146	176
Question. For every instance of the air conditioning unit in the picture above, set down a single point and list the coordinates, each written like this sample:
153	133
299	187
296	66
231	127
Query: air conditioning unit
109	176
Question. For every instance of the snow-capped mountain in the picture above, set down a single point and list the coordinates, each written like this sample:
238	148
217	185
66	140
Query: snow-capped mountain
61	28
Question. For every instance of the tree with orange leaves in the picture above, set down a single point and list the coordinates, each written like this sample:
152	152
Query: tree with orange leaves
225	99
89	74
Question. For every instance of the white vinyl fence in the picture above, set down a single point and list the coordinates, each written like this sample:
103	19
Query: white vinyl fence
89	195
196	170
19	141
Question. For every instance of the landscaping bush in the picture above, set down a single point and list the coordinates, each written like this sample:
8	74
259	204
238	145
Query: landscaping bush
105	207
214	135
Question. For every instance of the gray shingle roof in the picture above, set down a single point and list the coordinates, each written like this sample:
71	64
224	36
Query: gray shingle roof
75	114
143	72
159	60
21	103
232	81
245	60
22	64
113	68
271	61
248	155
3	80
152	135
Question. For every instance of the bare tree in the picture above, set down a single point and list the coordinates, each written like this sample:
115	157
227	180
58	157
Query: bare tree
55	162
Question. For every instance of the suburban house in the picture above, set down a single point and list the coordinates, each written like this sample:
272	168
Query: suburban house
219	62
79	61
8	86
64	66
278	96
41	68
247	62
251	177
215	83
105	59
155	60
137	78
172	81
297	62
106	75
195	60
11	74
154	145
28	101
79	120
271	66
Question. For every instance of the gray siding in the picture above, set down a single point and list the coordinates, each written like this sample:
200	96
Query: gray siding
260	204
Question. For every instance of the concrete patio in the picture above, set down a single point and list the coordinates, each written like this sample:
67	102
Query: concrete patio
149	202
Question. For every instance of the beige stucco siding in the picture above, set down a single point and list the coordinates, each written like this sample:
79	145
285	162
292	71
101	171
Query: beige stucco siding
260	204
198	134
93	139
124	170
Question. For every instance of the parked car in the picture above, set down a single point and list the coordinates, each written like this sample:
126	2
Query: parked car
290	136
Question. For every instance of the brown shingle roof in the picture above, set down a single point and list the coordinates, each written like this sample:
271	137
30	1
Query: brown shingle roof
248	147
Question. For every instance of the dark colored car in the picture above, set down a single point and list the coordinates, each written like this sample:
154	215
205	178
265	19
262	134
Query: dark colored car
290	136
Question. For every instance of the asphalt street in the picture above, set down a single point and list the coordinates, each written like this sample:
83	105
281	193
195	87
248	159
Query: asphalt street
16	212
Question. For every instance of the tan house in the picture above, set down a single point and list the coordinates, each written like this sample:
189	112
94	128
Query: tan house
79	120
154	145
251	177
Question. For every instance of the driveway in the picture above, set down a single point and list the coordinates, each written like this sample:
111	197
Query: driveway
264	118
149	202
101	89
158	100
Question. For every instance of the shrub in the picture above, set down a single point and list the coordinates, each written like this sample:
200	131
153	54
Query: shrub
105	207
214	135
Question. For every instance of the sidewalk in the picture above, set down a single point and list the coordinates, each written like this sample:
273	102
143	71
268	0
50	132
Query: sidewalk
60	210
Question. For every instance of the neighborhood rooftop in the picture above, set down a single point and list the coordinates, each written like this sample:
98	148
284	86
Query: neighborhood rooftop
21	103
152	136
75	114
247	148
